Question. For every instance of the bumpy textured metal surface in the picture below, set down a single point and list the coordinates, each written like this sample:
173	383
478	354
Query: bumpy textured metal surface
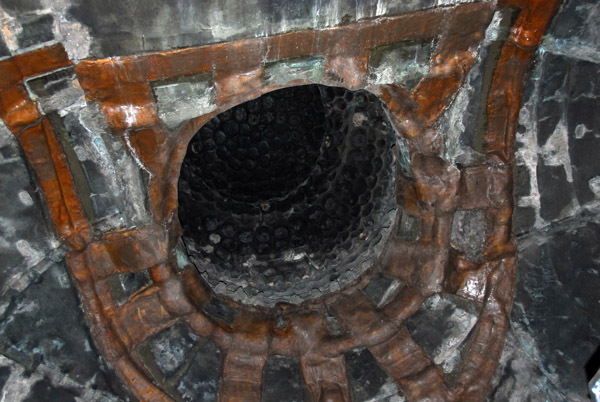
153	331
290	196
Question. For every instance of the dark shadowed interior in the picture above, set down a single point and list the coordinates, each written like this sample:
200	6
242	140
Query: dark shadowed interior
289	196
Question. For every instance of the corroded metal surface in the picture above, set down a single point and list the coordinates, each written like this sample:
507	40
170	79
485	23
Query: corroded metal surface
127	331
290	196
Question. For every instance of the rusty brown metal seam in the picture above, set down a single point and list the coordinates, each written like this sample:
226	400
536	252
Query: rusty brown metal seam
450	64
500	335
478	367
42	61
76	224
419	110
136	67
104	335
525	37
139	381
489	334
325	377
132	64
415	364
67	188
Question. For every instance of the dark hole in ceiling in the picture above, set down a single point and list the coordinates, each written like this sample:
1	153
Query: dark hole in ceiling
289	196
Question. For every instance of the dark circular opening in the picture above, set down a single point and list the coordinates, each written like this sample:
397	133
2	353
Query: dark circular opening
288	197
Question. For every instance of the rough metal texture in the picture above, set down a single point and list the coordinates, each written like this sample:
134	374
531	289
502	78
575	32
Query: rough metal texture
184	24
468	233
171	348
551	345
367	381
179	101
26	242
202	380
559	127
288	197
404	63
441	326
381	290
457	125
104	29
250	336
109	174
304	68
283	380
47	351
552	350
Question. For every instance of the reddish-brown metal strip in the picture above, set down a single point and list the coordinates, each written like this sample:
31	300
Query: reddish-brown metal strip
489	335
39	142
42	61
9	73
406	362
325	377
242	376
17	110
140	318
49	163
504	100
455	57
121	90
